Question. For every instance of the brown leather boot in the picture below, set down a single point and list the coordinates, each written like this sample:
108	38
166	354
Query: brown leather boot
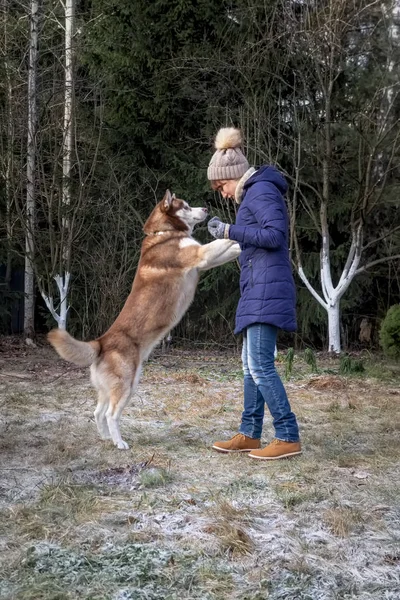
239	443
277	449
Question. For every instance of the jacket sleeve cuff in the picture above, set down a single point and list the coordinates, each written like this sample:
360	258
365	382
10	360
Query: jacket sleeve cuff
226	231
236	233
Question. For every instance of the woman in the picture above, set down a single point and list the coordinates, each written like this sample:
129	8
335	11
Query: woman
267	293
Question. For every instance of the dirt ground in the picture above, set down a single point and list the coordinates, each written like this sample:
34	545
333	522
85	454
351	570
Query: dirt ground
170	518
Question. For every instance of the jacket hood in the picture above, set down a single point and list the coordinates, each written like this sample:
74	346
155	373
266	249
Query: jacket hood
268	174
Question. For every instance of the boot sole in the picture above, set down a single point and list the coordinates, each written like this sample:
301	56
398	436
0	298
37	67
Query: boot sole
229	451
276	457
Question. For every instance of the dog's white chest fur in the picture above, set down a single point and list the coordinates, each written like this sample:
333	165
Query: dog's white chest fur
187	290
188	241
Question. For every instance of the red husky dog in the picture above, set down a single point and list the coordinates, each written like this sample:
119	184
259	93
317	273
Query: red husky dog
162	290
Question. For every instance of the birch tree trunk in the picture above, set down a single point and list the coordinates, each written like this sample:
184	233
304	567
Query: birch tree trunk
332	295
62	278
29	285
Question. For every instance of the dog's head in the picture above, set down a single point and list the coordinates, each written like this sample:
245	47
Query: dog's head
174	214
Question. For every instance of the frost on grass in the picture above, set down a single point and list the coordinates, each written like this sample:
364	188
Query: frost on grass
172	519
125	572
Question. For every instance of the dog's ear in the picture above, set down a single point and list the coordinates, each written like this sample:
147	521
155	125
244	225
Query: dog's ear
167	201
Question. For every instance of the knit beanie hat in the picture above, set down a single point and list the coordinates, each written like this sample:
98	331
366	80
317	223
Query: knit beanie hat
228	162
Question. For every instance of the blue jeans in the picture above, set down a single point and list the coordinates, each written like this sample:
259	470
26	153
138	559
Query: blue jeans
262	384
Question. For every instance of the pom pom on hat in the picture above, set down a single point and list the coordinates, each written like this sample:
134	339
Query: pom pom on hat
228	137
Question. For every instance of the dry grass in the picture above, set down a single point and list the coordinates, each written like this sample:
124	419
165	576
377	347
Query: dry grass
344	520
170	518
234	540
228	523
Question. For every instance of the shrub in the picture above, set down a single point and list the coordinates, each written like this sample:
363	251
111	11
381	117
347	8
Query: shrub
311	360
389	335
289	358
349	365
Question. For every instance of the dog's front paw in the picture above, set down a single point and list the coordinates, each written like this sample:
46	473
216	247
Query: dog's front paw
122	445
235	249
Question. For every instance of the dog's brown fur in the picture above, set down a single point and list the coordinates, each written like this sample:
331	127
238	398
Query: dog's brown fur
162	290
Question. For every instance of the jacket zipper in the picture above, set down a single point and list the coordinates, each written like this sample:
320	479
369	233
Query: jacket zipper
251	273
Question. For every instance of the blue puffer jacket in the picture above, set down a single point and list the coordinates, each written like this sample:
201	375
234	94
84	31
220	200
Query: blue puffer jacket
266	281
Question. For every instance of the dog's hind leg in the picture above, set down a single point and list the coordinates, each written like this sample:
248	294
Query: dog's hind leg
100	415
119	397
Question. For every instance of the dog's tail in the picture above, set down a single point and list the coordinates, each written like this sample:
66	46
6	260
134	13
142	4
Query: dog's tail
79	353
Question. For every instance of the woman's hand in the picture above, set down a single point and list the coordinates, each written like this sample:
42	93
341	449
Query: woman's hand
218	229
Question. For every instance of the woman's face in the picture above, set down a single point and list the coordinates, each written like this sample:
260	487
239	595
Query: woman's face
226	187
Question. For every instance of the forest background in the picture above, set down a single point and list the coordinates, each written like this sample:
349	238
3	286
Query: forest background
105	104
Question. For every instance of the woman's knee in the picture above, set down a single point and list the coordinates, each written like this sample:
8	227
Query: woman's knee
262	372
